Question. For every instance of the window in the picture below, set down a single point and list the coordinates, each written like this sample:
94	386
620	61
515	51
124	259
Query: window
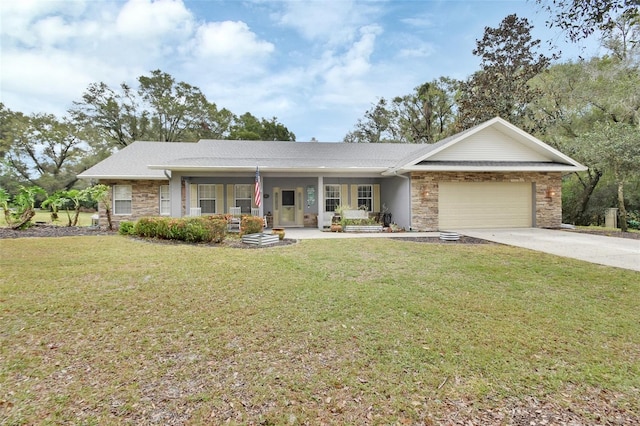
207	198
122	199
243	197
365	197
165	201
331	197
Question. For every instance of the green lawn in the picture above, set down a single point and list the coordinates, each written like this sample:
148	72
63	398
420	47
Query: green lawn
112	330
44	216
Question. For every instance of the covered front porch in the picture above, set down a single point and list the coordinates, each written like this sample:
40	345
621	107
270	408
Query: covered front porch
292	200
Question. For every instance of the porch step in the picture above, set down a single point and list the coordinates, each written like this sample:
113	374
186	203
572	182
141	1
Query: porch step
260	239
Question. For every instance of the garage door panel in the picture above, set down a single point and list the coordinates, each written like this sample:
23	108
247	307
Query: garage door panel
484	205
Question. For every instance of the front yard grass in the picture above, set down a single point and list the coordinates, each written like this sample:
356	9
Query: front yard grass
112	330
44	216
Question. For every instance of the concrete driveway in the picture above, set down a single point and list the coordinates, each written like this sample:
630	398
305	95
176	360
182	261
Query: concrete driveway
610	251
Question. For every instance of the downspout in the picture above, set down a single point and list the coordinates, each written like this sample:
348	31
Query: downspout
167	174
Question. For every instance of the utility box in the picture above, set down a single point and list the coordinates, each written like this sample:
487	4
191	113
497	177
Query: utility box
611	218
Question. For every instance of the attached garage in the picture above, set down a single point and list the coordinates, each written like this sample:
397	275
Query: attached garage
485	205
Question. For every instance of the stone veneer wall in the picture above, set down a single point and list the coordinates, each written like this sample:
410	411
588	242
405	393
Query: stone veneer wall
145	200
424	195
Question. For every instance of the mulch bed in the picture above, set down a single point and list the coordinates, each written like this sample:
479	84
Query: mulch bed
611	233
435	240
47	230
52	231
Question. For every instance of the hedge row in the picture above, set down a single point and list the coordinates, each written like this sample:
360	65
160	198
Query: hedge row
189	229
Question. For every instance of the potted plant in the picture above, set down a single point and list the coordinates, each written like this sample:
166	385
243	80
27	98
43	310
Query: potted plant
279	232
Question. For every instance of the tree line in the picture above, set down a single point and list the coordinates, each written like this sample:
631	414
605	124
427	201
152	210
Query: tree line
46	151
589	109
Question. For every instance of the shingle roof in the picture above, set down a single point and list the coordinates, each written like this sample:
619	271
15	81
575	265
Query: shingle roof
149	159
133	161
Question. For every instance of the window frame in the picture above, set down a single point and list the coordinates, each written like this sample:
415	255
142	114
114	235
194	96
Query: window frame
201	186
368	201
164	202
245	208
118	199
335	200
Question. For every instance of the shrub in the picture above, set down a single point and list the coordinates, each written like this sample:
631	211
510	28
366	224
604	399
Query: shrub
360	222
126	228
190	229
153	227
251	225
218	227
633	220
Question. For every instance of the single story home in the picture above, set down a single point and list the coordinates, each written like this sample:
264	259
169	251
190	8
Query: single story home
492	175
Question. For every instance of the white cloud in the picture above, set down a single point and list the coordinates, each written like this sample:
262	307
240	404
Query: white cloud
20	17
230	40
418	21
153	20
48	81
420	50
345	75
332	22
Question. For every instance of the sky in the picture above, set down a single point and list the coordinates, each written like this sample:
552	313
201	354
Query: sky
315	65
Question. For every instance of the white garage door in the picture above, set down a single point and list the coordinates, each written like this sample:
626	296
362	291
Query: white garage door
484	205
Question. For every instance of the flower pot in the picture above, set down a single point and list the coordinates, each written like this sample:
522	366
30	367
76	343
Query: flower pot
279	232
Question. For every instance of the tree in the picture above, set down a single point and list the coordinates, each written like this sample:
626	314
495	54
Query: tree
272	130
423	116
177	109
43	151
579	98
615	146
102	195
622	37
24	203
249	127
580	18
115	115
501	87
376	126
162	109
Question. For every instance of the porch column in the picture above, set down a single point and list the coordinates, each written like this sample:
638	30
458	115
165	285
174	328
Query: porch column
320	202
175	194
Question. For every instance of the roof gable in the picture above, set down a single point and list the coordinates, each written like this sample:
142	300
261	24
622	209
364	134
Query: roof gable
493	145
490	144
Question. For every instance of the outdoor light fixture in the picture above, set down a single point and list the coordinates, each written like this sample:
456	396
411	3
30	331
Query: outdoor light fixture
550	193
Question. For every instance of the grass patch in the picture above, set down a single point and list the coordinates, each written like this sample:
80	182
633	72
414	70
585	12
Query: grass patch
84	219
109	329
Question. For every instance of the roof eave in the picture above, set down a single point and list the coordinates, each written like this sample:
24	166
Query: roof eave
264	169
436	168
122	177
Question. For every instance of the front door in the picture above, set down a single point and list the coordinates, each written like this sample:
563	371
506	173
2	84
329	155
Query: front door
288	207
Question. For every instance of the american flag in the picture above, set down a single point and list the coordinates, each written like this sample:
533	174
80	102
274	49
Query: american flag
257	196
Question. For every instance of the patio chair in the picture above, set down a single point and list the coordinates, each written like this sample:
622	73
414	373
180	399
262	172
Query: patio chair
235	217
